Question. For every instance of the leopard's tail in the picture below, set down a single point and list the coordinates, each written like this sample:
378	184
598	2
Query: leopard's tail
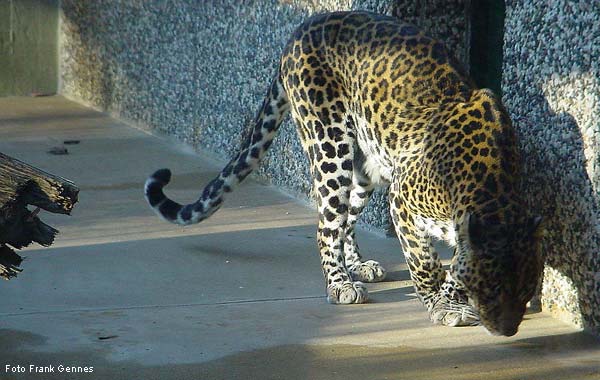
274	109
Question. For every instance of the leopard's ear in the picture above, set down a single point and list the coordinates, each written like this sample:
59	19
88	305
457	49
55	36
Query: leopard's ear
472	229
536	228
477	230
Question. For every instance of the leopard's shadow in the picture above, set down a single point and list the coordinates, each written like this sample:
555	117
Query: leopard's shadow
557	186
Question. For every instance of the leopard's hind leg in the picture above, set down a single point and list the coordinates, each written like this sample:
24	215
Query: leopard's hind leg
330	147
362	188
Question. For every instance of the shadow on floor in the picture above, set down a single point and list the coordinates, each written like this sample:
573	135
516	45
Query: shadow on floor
544	358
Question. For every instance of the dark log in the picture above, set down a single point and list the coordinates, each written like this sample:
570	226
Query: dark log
22	185
9	262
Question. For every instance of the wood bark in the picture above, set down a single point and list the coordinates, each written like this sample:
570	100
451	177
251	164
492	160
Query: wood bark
22	185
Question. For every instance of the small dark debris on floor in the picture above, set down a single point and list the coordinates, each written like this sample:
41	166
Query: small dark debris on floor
42	94
107	337
58	150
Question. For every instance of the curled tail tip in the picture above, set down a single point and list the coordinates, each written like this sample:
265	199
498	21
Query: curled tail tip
154	184
163	176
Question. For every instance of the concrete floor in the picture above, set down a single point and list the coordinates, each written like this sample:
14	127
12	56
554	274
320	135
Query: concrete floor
239	296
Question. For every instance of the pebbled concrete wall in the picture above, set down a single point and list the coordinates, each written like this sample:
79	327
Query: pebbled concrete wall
551	88
198	70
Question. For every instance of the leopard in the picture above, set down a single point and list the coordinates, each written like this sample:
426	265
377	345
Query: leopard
377	102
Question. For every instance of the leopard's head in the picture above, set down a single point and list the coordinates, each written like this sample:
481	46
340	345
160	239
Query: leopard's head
499	265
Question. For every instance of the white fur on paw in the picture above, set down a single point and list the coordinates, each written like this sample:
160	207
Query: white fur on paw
347	293
369	271
451	313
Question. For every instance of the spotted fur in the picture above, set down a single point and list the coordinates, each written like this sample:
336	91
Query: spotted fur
376	101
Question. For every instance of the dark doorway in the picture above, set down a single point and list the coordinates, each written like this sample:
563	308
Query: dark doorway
487	39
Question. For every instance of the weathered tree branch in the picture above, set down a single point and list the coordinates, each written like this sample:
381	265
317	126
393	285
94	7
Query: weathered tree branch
21	185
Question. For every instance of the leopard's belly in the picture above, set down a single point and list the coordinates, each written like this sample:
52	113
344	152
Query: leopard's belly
377	165
441	230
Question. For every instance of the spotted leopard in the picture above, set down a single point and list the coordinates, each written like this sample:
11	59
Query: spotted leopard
376	101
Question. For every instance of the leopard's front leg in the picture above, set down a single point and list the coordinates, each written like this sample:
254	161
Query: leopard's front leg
446	303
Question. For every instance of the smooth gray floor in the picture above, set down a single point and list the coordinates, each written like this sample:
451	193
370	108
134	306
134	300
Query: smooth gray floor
239	296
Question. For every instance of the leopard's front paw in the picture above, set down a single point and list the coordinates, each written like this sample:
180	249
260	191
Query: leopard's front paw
347	292
448	312
369	271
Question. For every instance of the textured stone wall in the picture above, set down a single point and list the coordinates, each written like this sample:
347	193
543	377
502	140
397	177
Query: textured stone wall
198	69
551	87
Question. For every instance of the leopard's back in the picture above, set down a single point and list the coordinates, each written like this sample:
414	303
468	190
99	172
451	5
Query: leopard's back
387	77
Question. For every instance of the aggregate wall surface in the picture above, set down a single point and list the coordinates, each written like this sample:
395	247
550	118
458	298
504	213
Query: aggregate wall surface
551	87
198	70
